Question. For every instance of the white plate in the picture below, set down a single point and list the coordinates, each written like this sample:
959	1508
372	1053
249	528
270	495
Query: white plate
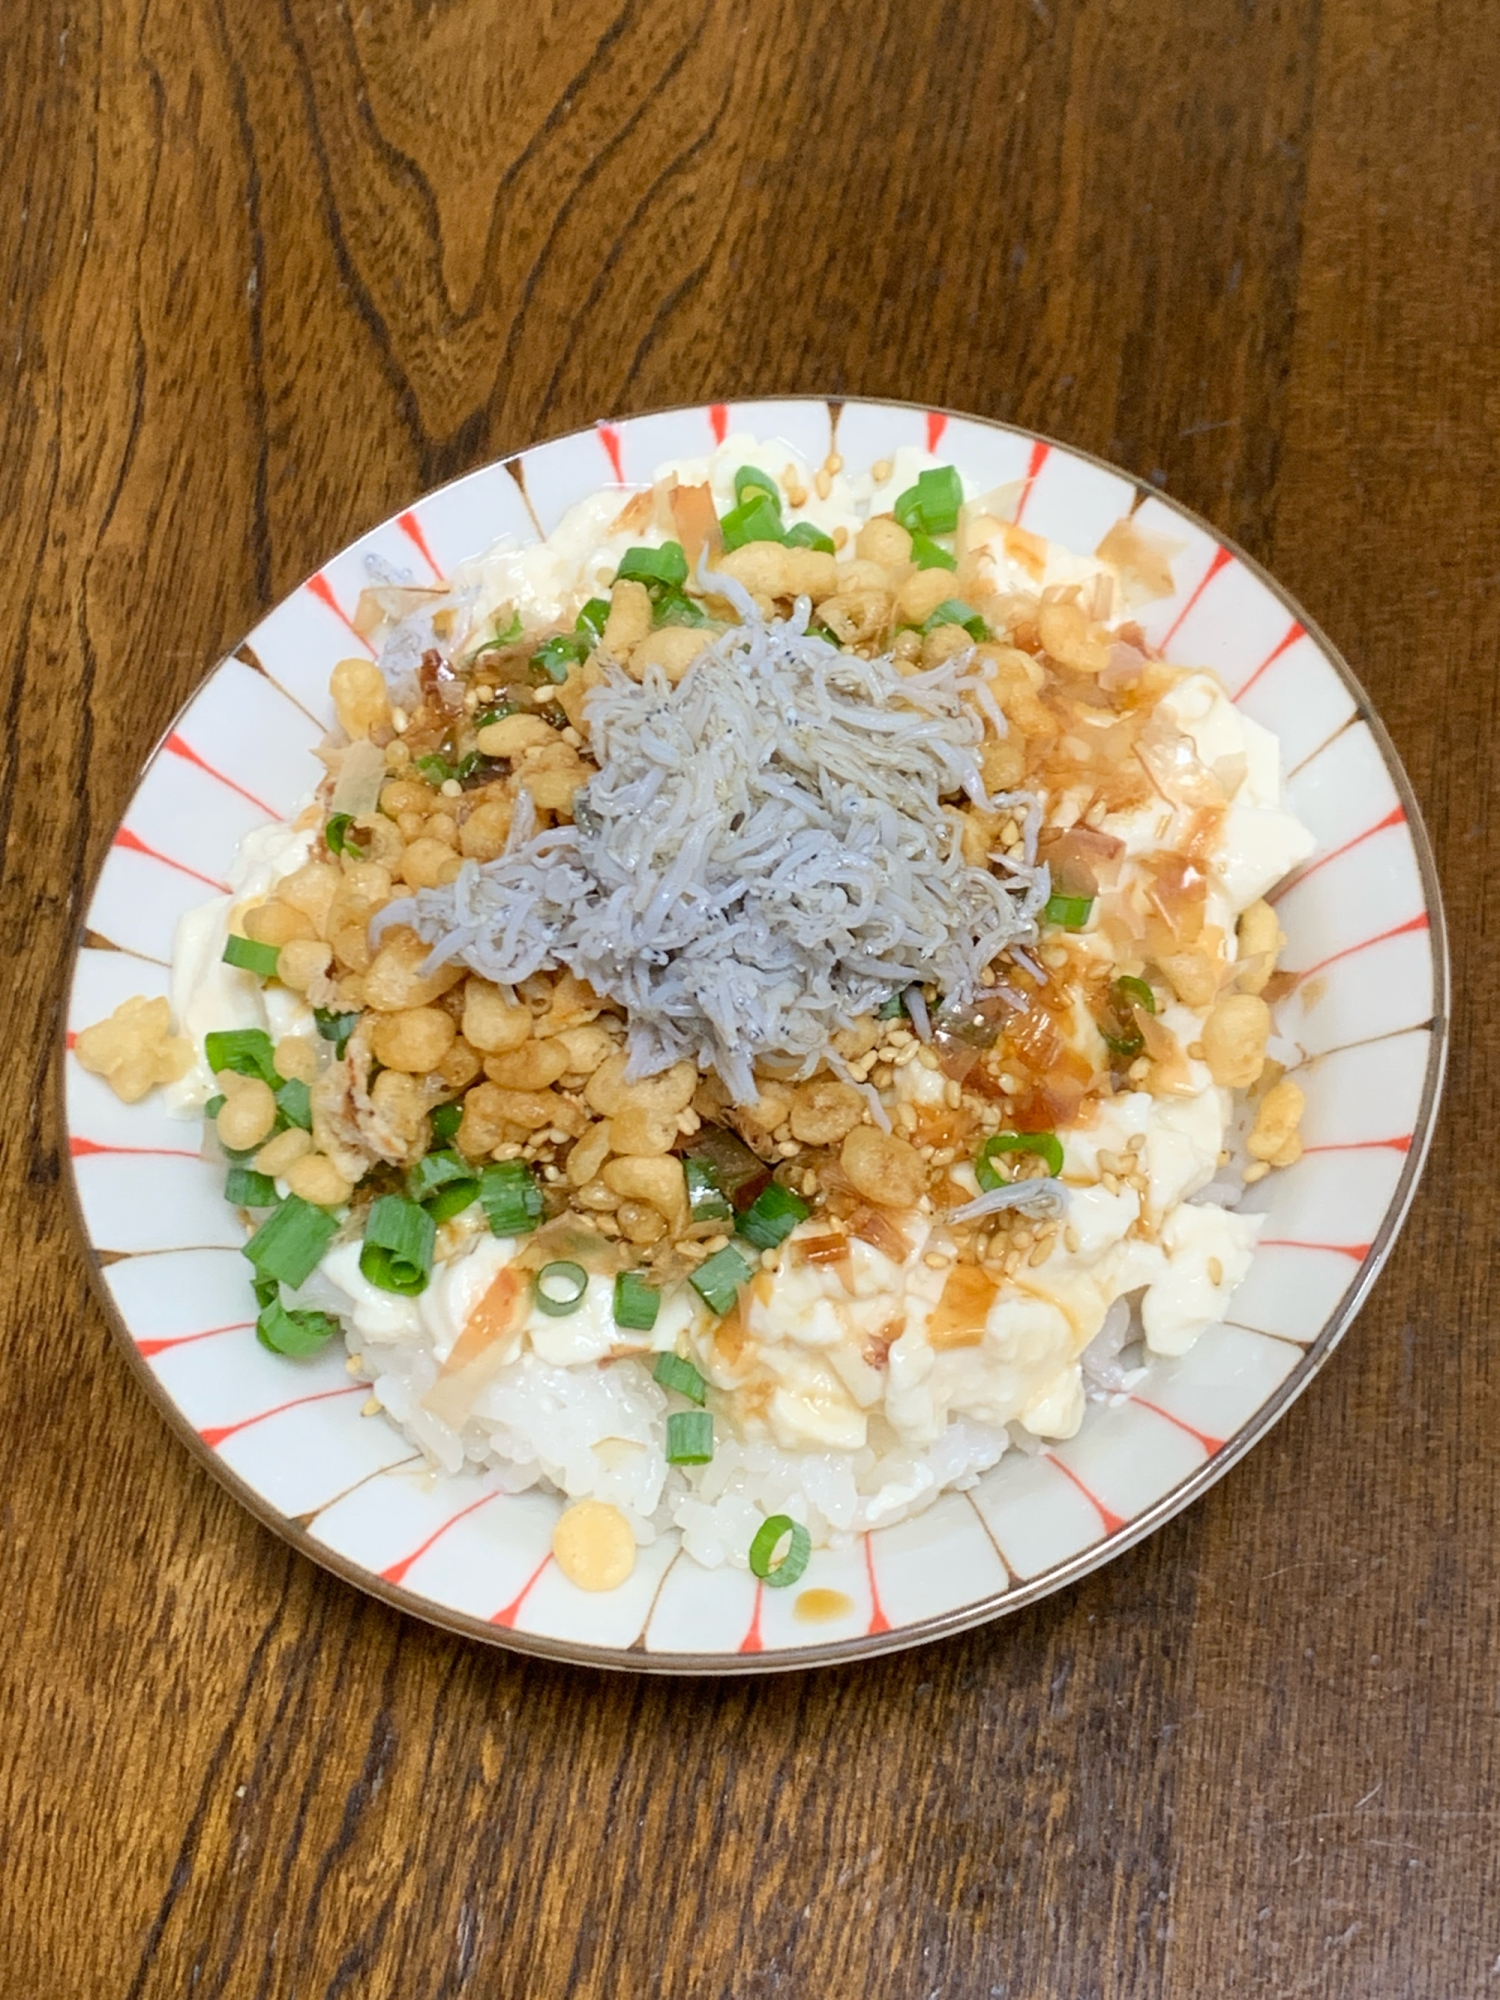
1364	927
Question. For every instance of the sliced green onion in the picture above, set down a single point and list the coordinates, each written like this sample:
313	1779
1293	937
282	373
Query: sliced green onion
675	607
436	770
750	480
445	1183
246	1051
560	654
266	1290
435	1170
942	495
768	1537
465	768
335	1028
1132	991
772	1216
672	1372
291	1241
803	535
511	633
928	554
666	565
512	1197
953	611
452	1200
1046	1145
717	1279
295	1333
758	520
737	1173
560	1288
931	506
214	1106
336	834
592	619
398	1245
1072	912
244	1188
446	1120
893	1009
248	956
690	1437
706	1199
1124	1039
636	1303
1125	1046
294	1102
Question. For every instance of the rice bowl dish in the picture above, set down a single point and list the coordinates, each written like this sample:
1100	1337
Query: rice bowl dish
771	1008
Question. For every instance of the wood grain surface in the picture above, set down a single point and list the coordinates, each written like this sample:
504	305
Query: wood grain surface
269	269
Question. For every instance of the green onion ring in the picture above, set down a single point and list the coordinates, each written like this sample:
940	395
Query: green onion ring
571	1275
1046	1145
763	1548
672	1372
1130	989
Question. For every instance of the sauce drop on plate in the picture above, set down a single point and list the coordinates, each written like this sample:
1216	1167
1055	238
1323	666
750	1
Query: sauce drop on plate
818	1607
594	1546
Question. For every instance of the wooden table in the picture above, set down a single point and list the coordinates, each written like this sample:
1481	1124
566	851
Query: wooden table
272	267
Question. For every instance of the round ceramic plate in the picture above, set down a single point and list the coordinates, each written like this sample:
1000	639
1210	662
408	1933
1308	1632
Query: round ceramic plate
291	1440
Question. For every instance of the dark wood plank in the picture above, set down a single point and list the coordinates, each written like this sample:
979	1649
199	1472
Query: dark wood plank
270	269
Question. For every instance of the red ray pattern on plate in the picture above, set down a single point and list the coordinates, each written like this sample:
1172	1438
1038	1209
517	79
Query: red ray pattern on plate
1112	1522
508	1613
397	1570
1034	465
1294	632
1358	1251
189	755
878	1620
146	1348
1395	817
411	527
718	420
133	844
216	1435
1209	1444
322	589
937	423
1220	560
609	437
752	1641
1401	1145
1397	930
85	1149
